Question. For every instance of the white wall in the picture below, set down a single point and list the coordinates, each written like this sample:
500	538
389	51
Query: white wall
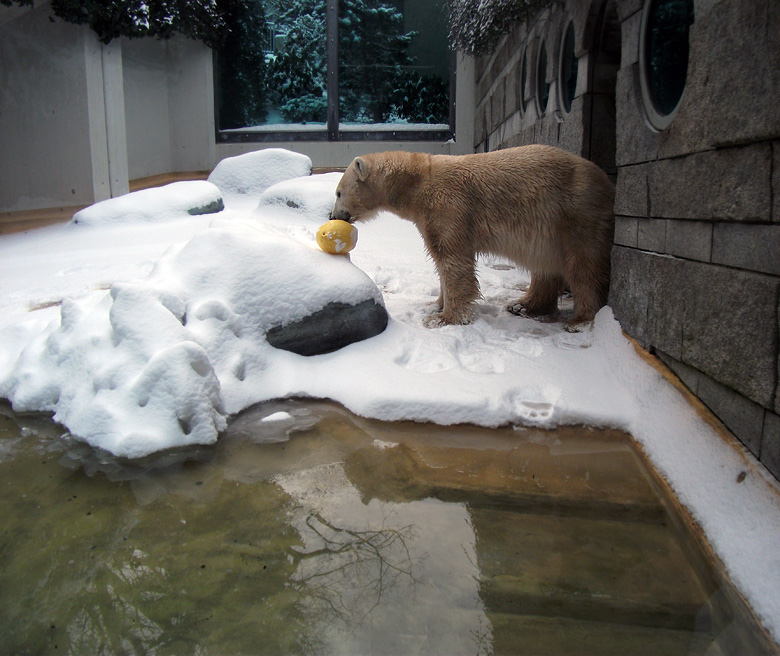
45	155
191	105
79	119
146	107
169	106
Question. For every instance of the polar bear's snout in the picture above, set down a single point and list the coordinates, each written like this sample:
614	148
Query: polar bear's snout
340	214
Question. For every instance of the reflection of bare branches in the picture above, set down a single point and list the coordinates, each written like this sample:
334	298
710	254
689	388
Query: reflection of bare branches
350	573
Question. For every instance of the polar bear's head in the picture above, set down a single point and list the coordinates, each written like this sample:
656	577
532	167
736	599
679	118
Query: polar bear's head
359	192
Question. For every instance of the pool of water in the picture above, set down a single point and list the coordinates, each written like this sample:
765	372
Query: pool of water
309	530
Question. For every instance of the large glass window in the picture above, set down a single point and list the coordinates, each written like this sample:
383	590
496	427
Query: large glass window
664	57
347	69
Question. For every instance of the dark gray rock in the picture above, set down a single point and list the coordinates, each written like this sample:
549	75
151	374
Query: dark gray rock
331	328
209	208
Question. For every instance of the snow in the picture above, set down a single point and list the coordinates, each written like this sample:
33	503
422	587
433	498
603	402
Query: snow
254	172
174	201
146	335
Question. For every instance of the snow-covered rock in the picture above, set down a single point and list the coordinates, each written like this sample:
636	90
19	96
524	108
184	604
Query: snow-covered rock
309	197
252	173
167	203
161	362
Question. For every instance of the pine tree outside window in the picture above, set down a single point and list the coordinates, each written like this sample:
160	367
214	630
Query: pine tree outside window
337	70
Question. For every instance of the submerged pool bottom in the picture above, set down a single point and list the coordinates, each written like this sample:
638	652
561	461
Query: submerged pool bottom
309	530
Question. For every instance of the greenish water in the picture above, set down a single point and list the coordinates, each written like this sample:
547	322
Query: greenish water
317	532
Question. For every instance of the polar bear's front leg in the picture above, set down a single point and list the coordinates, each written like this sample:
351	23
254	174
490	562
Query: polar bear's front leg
459	289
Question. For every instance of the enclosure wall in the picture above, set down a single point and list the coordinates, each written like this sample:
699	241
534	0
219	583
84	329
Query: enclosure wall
696	260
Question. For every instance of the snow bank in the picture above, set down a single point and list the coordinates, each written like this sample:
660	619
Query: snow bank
159	363
174	201
310	198
253	173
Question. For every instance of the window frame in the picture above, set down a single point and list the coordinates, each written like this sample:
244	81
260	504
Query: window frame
333	130
523	101
562	79
654	118
541	78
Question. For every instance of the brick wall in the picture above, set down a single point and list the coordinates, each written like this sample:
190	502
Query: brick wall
696	262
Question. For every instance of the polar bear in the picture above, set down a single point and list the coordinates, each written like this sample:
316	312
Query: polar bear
545	209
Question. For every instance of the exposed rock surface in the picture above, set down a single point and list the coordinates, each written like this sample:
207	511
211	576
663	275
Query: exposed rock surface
334	326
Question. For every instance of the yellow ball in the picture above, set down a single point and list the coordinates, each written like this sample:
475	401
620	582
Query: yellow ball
337	237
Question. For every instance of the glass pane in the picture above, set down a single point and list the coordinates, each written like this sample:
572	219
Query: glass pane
241	83
543	87
667	51
524	80
394	63
273	73
569	64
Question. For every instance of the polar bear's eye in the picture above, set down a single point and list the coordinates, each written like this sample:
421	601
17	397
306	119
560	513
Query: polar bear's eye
338	194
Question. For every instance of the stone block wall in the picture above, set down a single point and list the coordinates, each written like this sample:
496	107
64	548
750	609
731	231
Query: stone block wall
696	261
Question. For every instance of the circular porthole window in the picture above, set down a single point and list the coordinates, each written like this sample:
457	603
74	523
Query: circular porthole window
523	81
663	57
567	79
542	85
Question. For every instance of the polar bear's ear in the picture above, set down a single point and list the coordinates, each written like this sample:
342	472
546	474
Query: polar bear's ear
361	168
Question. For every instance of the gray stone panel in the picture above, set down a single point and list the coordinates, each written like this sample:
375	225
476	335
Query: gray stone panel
628	291
721	321
691	240
730	328
631	193
666	302
754	247
635	141
497	106
729	184
742	417
571	133
651	235
688	375
770	444
627	8
480	125
626	231
776	181
646	296
733	78
629	34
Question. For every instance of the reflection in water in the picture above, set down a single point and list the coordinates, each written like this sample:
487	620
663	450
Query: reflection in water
372	561
307	530
384	577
